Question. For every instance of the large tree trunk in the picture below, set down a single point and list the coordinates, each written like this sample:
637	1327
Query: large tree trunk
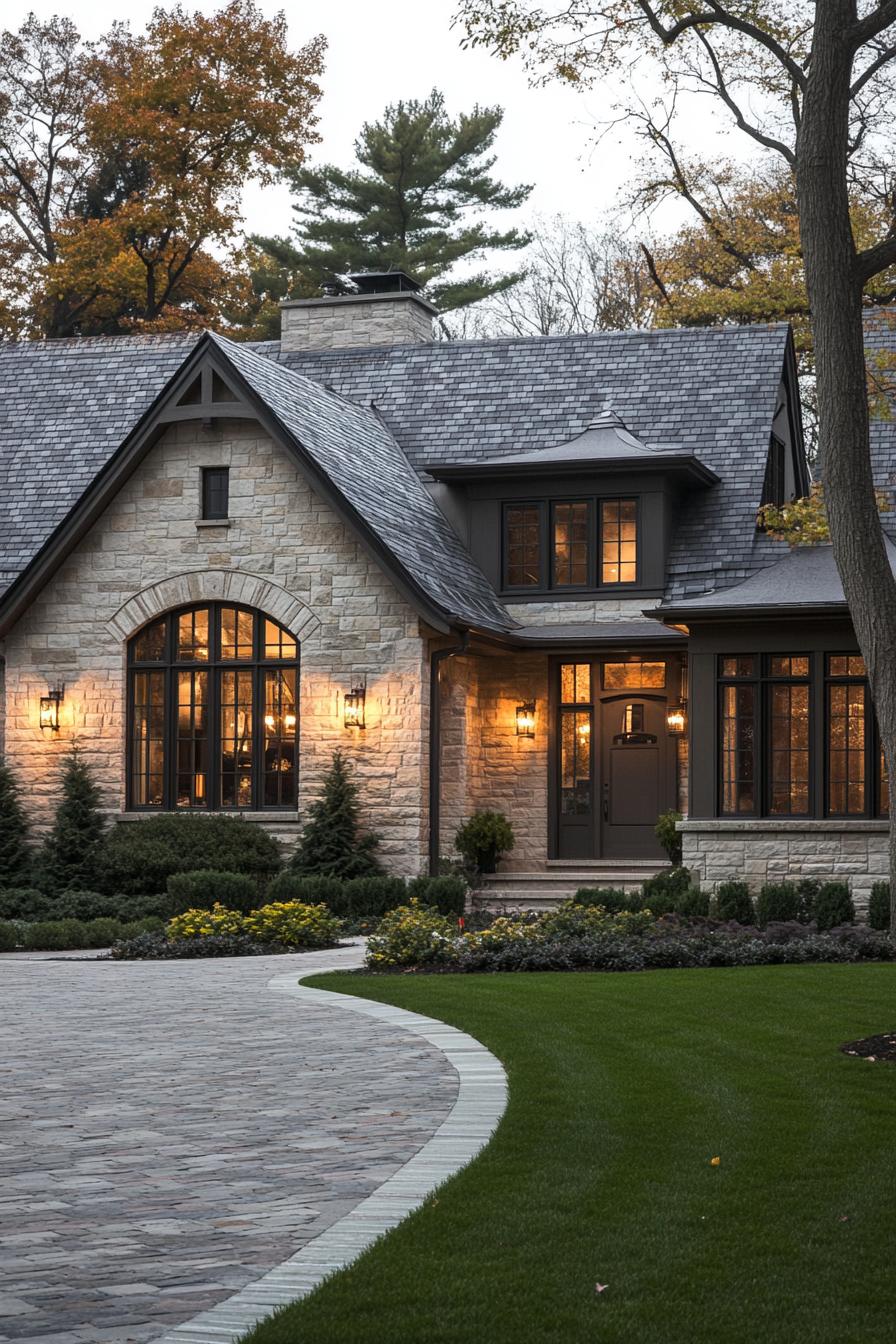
835	295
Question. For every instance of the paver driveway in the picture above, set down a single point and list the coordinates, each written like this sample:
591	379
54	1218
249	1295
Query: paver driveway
171	1130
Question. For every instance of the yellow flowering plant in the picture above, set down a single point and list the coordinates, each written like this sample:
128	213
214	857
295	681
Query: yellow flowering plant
204	923
293	924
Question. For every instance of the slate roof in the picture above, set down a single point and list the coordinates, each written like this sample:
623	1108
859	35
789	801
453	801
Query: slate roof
66	406
361	458
805	577
709	390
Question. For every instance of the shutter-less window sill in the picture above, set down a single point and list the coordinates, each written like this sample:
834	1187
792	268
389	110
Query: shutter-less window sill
213	522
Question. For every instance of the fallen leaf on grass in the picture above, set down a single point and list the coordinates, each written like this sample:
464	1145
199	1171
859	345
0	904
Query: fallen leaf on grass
599	1287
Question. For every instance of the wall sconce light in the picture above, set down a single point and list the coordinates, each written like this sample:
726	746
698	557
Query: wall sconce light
49	707
354	705
525	719
677	718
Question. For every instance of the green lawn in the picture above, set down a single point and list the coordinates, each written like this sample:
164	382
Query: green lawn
622	1088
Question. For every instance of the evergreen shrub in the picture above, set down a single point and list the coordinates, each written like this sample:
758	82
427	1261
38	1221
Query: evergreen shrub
58	935
206	887
612	899
70	856
138	857
878	906
833	906
15	856
446	893
304	887
659	894
25	903
9	936
332	843
734	903
778	903
483	838
670	838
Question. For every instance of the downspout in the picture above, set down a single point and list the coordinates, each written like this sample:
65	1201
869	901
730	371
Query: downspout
435	745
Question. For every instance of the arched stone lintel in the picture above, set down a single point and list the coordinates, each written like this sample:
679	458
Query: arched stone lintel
213	585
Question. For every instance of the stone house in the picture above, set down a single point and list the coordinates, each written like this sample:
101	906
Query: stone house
512	574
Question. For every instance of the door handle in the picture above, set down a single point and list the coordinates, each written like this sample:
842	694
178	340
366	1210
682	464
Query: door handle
606	792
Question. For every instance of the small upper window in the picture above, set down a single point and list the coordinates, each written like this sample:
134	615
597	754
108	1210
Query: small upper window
619	541
522	532
773	487
215	492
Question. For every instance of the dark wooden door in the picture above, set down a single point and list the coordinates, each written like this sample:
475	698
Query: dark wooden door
634	775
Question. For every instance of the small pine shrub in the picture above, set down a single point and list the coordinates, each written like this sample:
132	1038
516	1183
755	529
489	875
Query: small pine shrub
669	837
612	899
332	843
207	887
659	894
833	906
70	857
446	893
9	938
138	857
734	902
879	906
306	887
692	903
58	935
25	903
15	856
778	903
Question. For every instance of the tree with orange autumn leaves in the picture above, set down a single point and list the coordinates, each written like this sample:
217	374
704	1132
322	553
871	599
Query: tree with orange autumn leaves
122	162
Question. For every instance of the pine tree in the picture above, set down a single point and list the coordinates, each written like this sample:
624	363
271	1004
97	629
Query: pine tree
15	857
331	843
408	206
71	852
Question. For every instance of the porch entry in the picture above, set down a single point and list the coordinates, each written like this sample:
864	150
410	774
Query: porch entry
614	762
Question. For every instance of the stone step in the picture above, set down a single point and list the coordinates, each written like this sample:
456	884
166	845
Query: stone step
549	887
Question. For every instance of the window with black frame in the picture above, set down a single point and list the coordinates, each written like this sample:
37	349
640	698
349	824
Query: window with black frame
213	711
856	781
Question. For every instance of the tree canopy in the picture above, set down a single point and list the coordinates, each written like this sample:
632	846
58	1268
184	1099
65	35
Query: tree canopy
413	204
122	161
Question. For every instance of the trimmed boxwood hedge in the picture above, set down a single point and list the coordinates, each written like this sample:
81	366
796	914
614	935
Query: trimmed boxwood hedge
139	857
202	888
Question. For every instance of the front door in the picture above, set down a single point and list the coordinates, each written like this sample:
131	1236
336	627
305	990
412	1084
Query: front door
633	775
614	766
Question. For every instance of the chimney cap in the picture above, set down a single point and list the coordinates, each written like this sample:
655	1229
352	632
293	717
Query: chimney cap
383	282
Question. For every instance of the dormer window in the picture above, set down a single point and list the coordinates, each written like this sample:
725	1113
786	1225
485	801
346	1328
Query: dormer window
564	545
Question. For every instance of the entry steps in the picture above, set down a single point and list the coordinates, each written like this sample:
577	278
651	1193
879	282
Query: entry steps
560	879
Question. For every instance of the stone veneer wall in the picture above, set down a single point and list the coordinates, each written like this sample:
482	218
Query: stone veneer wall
282	540
355	320
767	851
484	763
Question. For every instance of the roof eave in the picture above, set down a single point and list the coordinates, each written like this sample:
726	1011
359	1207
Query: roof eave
676	464
781	611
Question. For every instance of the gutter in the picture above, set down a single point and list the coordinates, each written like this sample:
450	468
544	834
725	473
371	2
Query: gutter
435	744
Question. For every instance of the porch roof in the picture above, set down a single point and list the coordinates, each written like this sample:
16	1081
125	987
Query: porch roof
597	634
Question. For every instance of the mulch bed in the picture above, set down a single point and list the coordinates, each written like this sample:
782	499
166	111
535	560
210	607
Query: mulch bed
873	1048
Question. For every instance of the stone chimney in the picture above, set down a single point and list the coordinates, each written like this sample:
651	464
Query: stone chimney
371	308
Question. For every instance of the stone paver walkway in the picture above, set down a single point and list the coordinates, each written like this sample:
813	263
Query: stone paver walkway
170	1131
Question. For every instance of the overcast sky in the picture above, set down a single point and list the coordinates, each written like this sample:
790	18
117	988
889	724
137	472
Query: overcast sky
380	52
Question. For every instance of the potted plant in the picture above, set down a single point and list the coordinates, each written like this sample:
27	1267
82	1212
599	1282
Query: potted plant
484	838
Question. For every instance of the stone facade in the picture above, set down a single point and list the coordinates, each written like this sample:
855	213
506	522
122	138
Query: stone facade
283	550
355	320
757	851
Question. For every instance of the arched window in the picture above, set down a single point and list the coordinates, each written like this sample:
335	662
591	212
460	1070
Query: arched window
212	711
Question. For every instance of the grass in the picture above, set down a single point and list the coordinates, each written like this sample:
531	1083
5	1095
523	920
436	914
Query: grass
622	1089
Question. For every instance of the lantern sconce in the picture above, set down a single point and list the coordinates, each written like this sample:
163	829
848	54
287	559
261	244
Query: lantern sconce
354	705
49	707
525	719
677	718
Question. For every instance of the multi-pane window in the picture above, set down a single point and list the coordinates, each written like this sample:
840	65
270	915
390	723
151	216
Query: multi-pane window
634	673
213	711
566	544
737	732
522	533
618	541
787	700
571	544
769	743
576	787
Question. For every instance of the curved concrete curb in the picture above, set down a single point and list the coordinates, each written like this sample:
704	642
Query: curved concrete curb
480	1103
